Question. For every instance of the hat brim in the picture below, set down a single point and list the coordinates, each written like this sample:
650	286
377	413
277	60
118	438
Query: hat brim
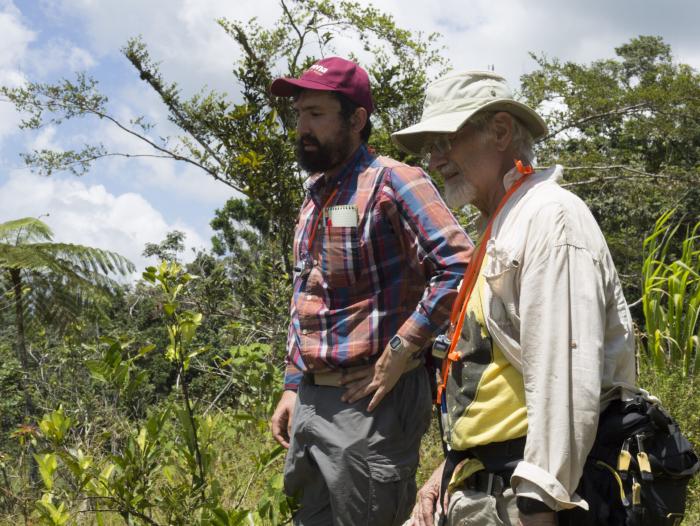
413	138
287	87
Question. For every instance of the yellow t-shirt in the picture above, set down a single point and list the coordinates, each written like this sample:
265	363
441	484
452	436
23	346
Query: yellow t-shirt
485	394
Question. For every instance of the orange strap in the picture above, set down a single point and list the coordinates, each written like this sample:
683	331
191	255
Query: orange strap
312	235
459	307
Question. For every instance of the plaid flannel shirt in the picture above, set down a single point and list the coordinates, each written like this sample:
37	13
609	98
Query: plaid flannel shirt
396	272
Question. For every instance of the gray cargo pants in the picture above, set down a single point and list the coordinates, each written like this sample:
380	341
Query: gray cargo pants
349	467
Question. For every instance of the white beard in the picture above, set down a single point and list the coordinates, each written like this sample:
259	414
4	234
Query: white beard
458	192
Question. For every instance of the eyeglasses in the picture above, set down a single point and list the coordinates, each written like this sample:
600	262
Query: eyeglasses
438	142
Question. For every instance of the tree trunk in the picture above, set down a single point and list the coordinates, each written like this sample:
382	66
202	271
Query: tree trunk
20	341
21	345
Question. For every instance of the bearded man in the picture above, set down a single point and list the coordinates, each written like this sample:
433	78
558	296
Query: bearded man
541	337
378	260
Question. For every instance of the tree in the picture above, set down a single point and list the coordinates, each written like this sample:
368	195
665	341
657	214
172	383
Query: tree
248	145
168	249
50	282
627	131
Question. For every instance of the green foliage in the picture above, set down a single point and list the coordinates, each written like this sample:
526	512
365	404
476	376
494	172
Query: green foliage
49	285
248	145
165	469
627	131
168	249
671	297
175	431
54	281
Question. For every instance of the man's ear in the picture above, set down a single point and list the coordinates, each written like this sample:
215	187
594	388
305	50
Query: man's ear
358	119
502	128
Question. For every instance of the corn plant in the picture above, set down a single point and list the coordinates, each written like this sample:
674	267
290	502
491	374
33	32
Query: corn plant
671	297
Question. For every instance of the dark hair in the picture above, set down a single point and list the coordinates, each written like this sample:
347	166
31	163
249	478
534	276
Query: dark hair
347	109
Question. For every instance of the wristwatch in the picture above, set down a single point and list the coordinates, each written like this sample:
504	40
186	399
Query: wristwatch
396	344
528	506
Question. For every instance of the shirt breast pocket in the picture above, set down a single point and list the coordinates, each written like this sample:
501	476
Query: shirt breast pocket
340	261
502	272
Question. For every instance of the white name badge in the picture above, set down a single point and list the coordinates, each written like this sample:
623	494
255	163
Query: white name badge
342	215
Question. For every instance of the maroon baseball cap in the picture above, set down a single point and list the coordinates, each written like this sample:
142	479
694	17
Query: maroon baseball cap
330	74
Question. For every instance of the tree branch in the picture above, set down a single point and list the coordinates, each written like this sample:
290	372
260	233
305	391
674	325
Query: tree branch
580	122
293	65
61	103
635	173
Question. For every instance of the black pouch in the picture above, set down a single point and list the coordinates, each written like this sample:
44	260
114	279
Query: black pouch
638	471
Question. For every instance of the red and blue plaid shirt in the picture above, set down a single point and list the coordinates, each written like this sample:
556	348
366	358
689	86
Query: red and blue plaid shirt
395	272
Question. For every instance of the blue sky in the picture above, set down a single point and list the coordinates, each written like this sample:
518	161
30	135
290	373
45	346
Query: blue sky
123	204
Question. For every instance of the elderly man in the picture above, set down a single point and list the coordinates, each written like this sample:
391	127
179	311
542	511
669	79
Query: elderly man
379	257
541	335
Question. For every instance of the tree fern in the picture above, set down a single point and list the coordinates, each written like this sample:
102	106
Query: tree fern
51	283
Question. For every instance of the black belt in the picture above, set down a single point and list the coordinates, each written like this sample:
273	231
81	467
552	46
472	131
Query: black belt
488	483
499	460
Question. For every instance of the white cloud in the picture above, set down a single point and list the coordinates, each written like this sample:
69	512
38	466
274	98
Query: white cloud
44	139
59	56
16	38
91	215
483	33
180	34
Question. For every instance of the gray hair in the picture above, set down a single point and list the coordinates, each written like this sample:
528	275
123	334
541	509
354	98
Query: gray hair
523	143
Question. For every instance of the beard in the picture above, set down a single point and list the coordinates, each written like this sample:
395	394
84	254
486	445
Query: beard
459	192
327	155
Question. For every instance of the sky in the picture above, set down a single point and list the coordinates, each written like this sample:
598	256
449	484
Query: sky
122	204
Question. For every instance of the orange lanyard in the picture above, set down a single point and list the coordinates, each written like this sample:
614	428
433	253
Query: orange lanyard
459	307
312	235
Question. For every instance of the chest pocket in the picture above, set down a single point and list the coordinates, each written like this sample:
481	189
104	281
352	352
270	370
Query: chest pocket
501	272
340	256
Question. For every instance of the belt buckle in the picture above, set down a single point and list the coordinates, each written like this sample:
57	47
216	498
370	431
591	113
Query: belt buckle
496	485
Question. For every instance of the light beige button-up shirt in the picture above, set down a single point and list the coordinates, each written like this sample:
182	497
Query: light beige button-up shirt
554	305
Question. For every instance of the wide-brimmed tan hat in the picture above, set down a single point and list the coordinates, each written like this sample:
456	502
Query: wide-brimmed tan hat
452	100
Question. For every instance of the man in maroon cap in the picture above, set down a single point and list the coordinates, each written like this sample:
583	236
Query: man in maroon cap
378	260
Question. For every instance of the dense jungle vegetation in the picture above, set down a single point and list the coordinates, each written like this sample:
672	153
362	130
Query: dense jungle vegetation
148	403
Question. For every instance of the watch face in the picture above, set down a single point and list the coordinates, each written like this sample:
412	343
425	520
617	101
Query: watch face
395	343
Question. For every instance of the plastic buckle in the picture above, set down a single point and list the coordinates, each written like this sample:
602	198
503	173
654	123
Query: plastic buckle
643	460
624	459
440	346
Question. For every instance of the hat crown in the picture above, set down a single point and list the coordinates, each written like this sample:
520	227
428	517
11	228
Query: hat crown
335	71
330	74
463	92
451	101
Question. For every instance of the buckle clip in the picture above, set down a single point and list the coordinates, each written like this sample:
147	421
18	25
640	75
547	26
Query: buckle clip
440	346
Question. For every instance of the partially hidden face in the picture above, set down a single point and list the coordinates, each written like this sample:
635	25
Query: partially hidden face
323	136
467	166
